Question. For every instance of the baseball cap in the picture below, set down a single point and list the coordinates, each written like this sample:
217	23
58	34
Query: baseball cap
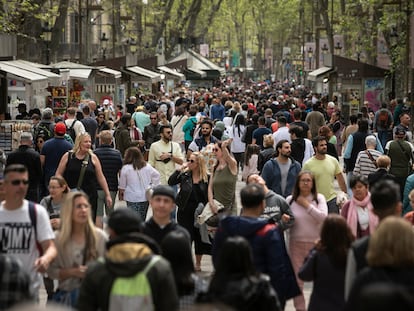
165	191
400	131
60	128
124	220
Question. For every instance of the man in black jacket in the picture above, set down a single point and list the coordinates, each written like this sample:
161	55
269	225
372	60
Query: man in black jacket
111	161
27	156
160	224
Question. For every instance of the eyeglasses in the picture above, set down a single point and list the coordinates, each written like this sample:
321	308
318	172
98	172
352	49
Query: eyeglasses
17	182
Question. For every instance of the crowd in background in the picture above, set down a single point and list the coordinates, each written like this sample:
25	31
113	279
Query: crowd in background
176	161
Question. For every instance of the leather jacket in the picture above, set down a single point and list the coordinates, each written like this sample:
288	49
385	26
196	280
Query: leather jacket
186	185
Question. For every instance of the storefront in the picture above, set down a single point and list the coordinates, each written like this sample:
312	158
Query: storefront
26	84
172	78
141	80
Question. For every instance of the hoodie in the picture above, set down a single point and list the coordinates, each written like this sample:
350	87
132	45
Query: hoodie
126	256
269	252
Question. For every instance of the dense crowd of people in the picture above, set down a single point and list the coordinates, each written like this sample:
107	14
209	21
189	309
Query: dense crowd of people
176	160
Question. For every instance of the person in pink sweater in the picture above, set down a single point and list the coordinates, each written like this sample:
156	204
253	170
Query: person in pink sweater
310	210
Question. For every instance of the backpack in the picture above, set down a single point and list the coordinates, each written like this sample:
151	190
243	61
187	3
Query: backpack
33	220
71	131
43	129
193	128
133	293
383	118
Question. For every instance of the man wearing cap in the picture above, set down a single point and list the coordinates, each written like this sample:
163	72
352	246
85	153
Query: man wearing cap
128	253
52	152
160	224
132	105
27	156
401	153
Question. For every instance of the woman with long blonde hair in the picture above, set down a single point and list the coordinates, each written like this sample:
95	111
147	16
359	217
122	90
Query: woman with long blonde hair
193	180
70	167
78	242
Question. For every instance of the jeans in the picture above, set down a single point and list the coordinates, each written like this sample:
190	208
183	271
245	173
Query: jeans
333	208
384	137
140	207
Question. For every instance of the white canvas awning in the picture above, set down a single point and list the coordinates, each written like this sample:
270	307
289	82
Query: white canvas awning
76	71
173	72
313	75
154	76
117	74
25	65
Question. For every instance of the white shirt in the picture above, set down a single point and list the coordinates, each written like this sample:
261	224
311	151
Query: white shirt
18	238
237	146
135	182
280	134
78	127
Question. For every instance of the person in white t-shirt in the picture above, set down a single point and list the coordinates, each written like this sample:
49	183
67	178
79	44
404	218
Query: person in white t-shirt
20	236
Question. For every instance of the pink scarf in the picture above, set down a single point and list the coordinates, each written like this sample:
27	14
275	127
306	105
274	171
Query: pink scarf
352	218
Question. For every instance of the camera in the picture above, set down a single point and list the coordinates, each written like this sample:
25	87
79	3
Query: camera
166	160
54	216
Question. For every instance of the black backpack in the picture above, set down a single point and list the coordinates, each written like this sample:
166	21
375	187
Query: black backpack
44	130
71	131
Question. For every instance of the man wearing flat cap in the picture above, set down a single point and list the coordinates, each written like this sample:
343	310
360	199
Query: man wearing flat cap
401	153
129	253
160	224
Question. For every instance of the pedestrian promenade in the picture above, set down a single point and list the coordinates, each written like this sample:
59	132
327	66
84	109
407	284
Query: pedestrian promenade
206	264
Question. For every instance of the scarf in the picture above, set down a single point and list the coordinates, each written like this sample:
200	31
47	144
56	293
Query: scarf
352	218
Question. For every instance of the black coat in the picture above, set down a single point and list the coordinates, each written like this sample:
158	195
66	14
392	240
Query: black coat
186	187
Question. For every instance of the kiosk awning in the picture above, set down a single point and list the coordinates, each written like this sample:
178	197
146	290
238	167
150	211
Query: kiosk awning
313	75
172	72
154	76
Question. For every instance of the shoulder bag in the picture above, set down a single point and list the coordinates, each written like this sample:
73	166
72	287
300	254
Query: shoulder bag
148	190
82	171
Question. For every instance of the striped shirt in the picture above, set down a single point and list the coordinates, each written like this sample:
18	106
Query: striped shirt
364	165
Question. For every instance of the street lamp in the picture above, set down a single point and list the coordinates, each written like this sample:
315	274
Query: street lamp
338	47
104	42
324	49
310	55
393	43
47	37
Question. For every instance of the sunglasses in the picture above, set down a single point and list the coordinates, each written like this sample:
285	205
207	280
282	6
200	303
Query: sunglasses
153	118
192	161
216	149
17	182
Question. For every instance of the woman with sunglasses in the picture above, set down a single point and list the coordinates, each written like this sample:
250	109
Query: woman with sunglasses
222	185
193	181
78	242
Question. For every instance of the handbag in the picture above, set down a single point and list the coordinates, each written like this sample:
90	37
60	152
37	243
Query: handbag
148	190
208	217
82	171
